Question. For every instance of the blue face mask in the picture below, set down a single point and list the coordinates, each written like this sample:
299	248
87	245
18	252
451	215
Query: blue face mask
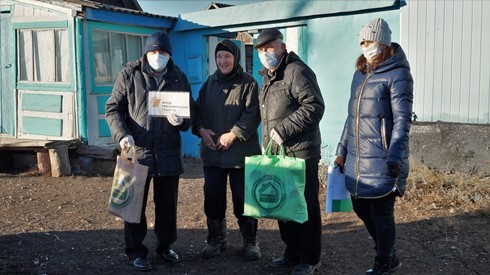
267	59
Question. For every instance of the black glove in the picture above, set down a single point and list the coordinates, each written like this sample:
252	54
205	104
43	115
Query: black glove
393	169
340	161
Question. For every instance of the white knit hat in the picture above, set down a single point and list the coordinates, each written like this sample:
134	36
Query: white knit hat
376	30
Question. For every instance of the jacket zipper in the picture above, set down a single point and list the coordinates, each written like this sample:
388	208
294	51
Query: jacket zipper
357	131
383	133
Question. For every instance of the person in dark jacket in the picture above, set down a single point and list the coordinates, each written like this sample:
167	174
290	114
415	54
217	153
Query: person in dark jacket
374	147
227	117
291	107
156	142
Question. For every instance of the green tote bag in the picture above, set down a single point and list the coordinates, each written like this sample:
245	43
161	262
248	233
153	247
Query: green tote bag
275	186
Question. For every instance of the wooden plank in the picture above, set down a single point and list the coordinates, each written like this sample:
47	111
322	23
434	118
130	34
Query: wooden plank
60	162
43	162
97	152
9	143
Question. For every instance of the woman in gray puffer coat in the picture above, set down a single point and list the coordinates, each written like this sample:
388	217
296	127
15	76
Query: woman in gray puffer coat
374	148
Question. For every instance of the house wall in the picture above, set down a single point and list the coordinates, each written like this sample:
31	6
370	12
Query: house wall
42	99
447	44
328	44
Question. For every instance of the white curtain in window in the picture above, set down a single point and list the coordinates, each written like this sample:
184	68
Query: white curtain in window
25	56
102	59
62	56
44	56
118	51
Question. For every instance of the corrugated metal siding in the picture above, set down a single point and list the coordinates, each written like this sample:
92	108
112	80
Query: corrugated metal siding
447	43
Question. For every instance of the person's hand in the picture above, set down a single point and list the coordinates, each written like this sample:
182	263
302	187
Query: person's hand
276	137
226	140
339	161
393	169
174	119
207	138
126	142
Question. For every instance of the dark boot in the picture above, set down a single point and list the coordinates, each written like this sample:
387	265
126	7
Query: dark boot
395	263
248	228
381	267
217	240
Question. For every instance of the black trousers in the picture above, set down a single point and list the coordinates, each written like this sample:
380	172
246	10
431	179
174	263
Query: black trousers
378	216
165	195
215	186
304	241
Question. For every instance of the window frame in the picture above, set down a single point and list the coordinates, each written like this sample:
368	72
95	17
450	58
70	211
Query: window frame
38	85
143	33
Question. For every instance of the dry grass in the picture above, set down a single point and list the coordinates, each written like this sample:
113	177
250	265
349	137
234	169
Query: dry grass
429	189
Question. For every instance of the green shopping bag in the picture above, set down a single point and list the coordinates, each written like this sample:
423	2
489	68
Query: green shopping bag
275	186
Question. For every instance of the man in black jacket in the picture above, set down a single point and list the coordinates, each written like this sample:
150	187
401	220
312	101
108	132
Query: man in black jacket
291	107
156	141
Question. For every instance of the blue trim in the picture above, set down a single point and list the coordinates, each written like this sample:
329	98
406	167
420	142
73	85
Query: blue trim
36	86
40	25
81	87
128	19
5	9
104	130
42	103
118	28
42	126
101	101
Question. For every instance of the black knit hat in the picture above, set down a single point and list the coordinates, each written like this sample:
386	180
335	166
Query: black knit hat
158	41
267	36
229	46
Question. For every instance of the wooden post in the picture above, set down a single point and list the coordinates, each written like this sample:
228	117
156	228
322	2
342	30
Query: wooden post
43	164
60	161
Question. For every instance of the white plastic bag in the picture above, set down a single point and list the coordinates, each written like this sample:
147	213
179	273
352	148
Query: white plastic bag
338	198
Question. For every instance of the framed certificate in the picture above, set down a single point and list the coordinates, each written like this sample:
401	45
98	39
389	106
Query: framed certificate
165	103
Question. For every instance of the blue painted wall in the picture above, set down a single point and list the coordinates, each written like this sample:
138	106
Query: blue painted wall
331	47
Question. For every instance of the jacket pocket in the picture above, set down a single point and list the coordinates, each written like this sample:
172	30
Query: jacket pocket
383	133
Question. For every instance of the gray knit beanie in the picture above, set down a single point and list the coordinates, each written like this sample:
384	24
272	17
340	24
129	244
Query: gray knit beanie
376	30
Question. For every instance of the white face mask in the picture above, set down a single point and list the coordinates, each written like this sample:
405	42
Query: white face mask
157	61
267	59
372	51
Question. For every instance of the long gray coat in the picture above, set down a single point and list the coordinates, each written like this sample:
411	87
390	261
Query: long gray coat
377	128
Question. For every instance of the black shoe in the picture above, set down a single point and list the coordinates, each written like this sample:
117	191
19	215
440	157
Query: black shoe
395	264
142	264
306	269
394	267
170	256
381	267
283	262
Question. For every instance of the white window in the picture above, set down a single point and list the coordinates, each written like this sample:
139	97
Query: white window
44	55
111	50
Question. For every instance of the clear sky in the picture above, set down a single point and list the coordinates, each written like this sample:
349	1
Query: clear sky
174	7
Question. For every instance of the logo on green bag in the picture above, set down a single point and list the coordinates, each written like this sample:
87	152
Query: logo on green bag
268	193
122	191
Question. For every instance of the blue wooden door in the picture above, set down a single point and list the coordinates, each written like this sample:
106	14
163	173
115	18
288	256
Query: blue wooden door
7	69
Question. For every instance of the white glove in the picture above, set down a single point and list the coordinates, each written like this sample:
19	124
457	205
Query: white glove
174	119
126	142
276	137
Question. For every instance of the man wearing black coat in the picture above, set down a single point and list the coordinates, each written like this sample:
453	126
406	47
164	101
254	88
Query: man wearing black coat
291	107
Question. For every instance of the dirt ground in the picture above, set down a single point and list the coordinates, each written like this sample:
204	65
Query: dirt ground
61	226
